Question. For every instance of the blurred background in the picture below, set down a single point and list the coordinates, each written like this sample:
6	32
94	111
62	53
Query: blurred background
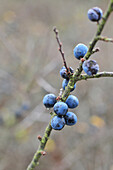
29	69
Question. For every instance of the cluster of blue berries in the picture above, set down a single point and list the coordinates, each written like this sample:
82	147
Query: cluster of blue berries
62	117
90	67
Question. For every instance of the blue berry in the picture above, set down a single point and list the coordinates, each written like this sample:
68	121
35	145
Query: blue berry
65	83
57	122
49	100
80	50
90	67
72	101
60	108
63	73
95	14
70	118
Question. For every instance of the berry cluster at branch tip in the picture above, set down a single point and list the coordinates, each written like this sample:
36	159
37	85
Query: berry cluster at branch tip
63	117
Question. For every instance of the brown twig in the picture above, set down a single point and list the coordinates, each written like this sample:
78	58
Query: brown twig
60	48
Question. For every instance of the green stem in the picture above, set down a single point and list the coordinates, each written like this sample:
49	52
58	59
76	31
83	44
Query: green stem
42	145
75	77
98	75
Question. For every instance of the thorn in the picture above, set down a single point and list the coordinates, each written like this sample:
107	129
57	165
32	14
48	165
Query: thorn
39	137
43	153
82	59
60	46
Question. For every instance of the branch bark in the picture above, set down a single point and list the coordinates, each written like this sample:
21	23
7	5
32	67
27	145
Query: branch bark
42	145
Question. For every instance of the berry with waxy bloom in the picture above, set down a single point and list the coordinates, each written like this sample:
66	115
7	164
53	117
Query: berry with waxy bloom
72	101
57	122
49	100
80	50
90	67
95	14
70	118
60	108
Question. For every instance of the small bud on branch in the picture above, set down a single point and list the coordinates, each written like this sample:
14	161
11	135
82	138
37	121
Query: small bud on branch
95	50
43	153
39	137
